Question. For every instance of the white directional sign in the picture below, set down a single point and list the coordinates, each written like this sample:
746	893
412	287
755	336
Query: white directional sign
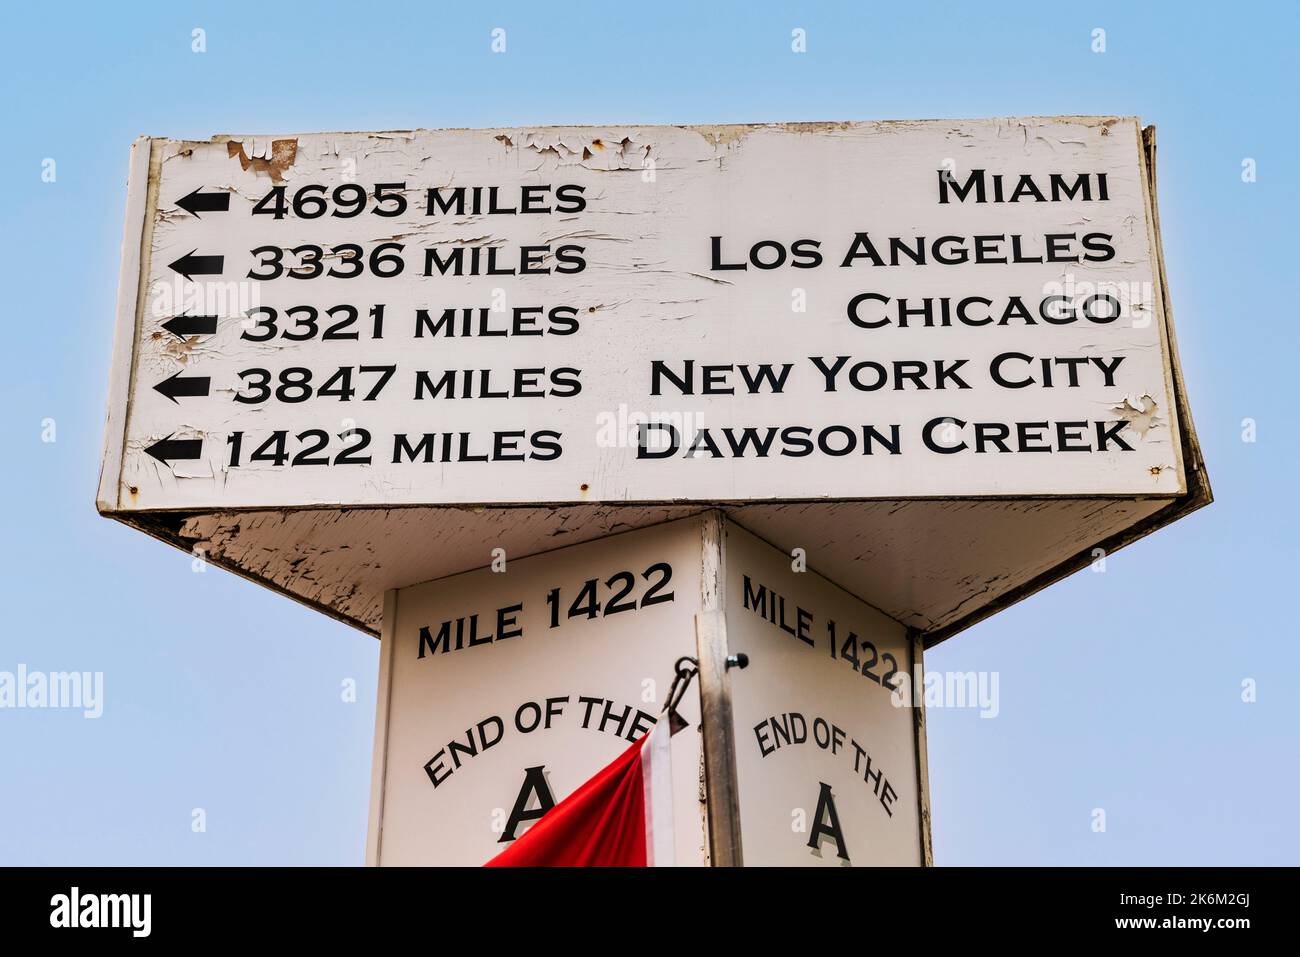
516	334
824	311
933	360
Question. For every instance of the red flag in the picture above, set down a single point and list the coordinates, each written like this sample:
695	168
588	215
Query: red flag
623	817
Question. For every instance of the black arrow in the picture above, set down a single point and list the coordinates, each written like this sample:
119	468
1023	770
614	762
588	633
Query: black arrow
192	265
194	385
197	202
182	326
170	450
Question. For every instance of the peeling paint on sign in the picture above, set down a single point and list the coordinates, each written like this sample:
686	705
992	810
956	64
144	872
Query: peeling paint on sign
807	319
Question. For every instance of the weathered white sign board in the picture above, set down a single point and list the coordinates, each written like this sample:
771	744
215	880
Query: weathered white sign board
501	692
834	312
810	325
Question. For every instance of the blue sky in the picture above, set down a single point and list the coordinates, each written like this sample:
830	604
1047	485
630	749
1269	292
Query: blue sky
1119	691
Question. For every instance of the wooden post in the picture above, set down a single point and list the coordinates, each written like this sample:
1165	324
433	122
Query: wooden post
379	760
719	742
916	688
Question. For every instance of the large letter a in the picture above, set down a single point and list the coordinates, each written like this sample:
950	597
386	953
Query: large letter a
534	784
827	828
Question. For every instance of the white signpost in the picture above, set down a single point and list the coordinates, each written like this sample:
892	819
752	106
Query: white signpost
935	358
503	690
828	744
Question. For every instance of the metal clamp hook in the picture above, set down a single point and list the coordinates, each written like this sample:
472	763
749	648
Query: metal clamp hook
685	669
